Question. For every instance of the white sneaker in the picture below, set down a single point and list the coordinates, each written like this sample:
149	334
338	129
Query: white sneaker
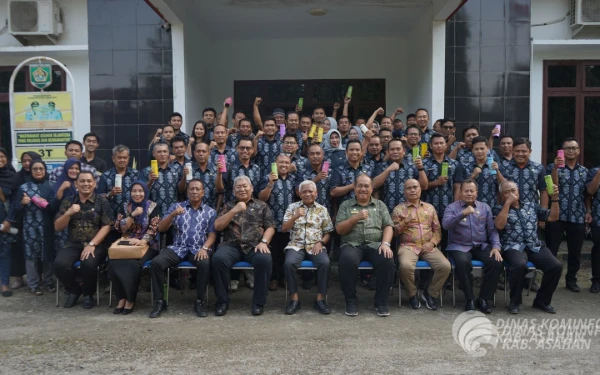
234	285
249	279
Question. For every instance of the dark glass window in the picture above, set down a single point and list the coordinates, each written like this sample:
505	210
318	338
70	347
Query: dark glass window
562	76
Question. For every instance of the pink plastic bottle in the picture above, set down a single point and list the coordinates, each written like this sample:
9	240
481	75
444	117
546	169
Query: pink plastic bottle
223	168
561	154
39	202
228	102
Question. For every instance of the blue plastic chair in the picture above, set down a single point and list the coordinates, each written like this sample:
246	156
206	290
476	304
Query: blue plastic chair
77	265
530	267
475	264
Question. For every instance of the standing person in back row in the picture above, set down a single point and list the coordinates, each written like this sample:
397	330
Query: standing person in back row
423	124
92	142
575	209
593	183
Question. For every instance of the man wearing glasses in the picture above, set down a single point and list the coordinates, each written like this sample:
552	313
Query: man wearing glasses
242	166
290	146
575	210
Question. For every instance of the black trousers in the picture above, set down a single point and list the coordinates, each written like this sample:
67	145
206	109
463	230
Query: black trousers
294	258
64	271
596	254
278	243
492	269
125	275
222	261
575	236
383	269
167	259
544	261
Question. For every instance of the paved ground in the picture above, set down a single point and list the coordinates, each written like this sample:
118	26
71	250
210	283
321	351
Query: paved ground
37	337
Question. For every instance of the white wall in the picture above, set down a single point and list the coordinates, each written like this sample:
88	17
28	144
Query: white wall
75	23
197	69
419	64
335	58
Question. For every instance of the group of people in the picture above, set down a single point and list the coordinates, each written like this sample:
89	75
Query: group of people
276	190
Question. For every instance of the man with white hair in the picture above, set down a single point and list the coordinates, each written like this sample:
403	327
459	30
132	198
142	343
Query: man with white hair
310	226
248	228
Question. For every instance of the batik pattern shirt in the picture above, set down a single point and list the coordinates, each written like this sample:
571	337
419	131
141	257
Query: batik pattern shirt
229	152
308	229
426	135
148	228
164	191
94	214
234	139
572	187
529	179
253	172
191	228
441	196
208	176
419	226
5	214
267	151
282	195
520	231
596	198
247	228
374	163
107	183
393	187
300	162
337	158
487	183
346	175
38	228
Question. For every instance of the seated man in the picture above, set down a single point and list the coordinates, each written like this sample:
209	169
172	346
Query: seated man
310	225
366	229
417	224
89	219
248	227
517	222
472	235
193	223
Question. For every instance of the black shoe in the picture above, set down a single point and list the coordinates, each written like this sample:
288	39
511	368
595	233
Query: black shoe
127	311
221	310
595	288
351	309
513	308
200	309
36	291
429	301
159	306
292	307
470	305
321	306
71	300
88	302
8	293
382	310
483	306
414	303
544	307
51	288
573	287
257	310
118	310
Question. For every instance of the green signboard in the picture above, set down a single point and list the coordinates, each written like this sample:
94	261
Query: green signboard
44	138
40	75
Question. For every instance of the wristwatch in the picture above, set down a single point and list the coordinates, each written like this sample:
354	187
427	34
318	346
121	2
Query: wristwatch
204	248
322	243
387	244
264	241
91	243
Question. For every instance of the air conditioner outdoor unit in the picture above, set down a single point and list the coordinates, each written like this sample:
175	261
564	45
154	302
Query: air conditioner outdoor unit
585	13
35	21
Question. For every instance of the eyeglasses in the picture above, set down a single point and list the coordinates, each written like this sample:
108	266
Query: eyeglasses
571	148
448	127
245	148
290	143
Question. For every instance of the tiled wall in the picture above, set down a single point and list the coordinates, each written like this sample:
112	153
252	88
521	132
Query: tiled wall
487	66
131	85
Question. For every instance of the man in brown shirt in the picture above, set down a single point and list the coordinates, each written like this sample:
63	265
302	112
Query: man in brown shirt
89	219
248	227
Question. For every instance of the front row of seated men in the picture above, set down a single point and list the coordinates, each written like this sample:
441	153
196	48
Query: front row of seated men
366	229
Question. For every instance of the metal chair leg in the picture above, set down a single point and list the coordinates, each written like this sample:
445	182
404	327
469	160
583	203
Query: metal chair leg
453	290
399	290
505	287
531	283
168	286
57	292
110	294
98	287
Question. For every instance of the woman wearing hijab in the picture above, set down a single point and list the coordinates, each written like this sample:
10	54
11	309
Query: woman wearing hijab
17	260
9	182
138	222
334	151
65	188
35	201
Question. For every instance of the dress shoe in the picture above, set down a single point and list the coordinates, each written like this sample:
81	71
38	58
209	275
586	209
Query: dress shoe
159	306
88	302
118	310
382	310
36	291
321	306
221	310
544	307
513	308
273	285
71	300
351	309
595	288
292	307
573	287
8	293
429	301
127	311
483	306
257	310
414	303
200	308
470	305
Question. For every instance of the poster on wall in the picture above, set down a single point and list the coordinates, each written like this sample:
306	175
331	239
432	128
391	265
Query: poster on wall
43	123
